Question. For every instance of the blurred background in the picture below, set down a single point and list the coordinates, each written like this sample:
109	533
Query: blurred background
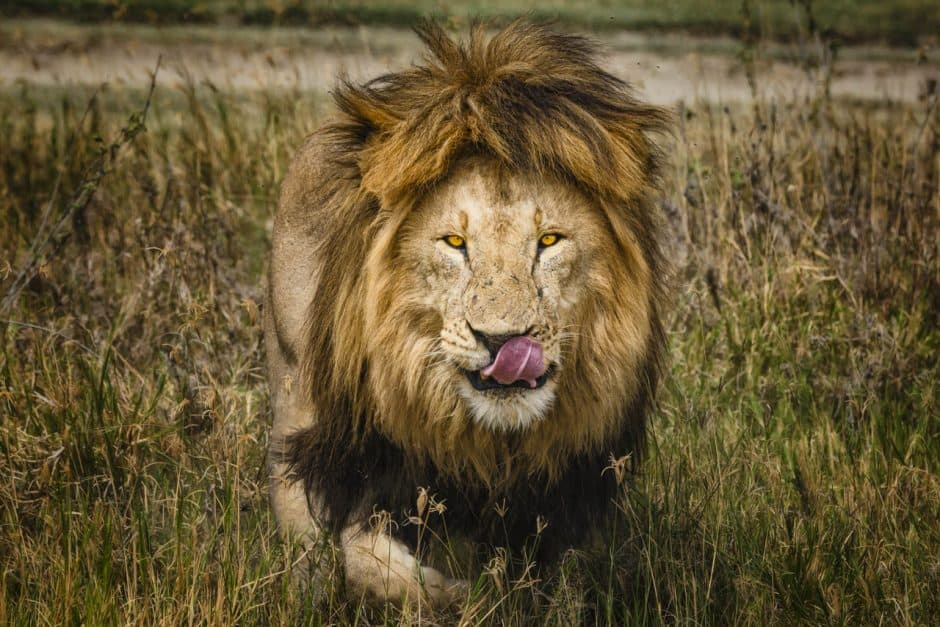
792	476
671	50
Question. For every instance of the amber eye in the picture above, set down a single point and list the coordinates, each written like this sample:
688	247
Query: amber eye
549	239
455	241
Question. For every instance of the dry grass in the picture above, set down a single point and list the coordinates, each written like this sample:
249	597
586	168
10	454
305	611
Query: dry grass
793	468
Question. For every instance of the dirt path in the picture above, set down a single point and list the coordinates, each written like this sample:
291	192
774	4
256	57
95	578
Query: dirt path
69	55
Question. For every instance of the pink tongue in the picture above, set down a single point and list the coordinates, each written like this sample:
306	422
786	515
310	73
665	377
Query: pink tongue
518	359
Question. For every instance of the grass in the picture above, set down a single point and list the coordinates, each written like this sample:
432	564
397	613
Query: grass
900	22
793	470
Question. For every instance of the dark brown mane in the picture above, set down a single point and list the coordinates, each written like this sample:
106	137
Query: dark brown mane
530	96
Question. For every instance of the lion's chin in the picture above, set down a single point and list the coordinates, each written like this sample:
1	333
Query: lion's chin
509	409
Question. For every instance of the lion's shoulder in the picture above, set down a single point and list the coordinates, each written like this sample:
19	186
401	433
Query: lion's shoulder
304	190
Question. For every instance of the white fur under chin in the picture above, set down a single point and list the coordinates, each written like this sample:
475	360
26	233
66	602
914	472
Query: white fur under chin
515	412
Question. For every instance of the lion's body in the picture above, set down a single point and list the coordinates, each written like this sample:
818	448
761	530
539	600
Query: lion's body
374	323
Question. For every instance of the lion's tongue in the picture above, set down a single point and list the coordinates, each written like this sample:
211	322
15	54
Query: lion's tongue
518	359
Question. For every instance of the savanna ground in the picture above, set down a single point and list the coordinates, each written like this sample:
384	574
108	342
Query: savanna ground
793	468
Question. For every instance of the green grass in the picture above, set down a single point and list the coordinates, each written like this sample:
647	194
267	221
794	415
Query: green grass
901	22
793	470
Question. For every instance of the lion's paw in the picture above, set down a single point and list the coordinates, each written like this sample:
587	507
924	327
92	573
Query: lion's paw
443	590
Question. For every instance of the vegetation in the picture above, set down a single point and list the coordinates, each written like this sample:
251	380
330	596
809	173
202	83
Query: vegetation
901	22
793	470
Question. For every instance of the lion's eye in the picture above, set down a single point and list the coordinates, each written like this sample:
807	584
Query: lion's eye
549	239
455	241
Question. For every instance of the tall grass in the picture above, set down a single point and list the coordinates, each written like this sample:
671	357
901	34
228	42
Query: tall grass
792	476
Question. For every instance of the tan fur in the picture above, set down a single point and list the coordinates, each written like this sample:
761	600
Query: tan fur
368	316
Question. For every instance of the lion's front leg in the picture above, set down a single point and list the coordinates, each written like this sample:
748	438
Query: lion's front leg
375	563
383	567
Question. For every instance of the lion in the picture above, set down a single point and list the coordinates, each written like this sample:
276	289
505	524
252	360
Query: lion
464	303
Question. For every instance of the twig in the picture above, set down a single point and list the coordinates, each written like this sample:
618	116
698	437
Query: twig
47	211
91	179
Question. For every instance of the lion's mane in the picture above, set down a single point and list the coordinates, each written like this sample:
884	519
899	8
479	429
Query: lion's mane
535	101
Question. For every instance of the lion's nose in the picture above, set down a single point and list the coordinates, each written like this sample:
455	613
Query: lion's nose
494	342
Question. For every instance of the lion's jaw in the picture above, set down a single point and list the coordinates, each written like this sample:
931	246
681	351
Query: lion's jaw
501	283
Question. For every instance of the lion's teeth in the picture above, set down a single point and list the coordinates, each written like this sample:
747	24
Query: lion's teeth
484	377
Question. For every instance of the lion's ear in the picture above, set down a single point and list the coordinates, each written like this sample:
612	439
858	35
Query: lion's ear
363	107
369	125
402	161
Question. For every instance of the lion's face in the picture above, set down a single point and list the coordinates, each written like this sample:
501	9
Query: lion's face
498	256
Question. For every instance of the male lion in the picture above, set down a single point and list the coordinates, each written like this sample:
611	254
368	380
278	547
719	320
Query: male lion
465	295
